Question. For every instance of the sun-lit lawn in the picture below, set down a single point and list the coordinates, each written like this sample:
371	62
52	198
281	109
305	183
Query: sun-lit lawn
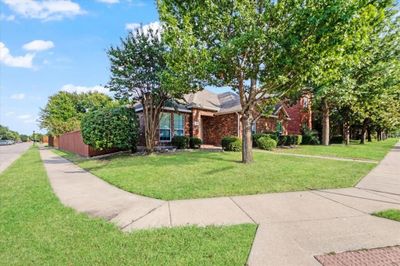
36	229
200	174
370	150
391	214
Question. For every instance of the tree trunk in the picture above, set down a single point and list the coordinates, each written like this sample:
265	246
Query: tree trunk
378	134
364	130
369	137
325	123
346	132
150	118
247	143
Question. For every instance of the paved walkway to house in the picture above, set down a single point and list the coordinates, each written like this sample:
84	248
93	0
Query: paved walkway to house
293	227
10	153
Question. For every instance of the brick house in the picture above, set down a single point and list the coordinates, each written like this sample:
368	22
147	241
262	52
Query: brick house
211	116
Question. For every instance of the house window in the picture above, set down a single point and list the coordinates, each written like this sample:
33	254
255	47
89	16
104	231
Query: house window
279	127
254	128
179	121
165	127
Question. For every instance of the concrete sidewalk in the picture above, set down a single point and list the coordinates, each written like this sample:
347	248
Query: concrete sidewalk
293	227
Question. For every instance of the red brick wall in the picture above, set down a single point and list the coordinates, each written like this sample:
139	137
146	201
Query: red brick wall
299	115
215	128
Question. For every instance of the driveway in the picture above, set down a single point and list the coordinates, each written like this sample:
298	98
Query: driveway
9	153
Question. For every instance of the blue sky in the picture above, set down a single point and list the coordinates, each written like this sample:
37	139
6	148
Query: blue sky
46	46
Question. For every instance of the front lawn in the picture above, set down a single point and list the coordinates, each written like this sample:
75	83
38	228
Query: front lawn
36	229
200	174
370	150
391	214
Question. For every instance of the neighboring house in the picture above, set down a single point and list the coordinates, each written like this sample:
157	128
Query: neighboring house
210	117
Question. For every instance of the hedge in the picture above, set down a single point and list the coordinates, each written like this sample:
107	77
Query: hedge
180	142
195	143
111	127
231	143
266	143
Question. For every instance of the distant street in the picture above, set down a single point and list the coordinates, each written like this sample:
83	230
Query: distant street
9	153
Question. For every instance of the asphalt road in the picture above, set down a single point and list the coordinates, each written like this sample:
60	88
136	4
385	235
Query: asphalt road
9	153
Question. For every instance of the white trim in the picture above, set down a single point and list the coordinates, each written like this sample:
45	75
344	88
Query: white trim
168	109
183	123
170	127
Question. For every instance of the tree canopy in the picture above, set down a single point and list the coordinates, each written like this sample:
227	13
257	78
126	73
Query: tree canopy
111	127
63	111
139	74
254	47
7	134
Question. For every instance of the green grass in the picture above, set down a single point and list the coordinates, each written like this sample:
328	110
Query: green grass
36	229
391	214
370	150
200	174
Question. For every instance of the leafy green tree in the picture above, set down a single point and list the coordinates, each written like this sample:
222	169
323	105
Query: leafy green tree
254	47
24	138
347	77
139	75
63	111
7	134
111	127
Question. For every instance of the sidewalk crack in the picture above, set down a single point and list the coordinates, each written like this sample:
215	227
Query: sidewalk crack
137	219
248	215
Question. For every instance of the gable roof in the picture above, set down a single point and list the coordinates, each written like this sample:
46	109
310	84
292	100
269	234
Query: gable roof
220	103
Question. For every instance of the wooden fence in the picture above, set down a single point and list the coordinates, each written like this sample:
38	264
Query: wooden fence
73	142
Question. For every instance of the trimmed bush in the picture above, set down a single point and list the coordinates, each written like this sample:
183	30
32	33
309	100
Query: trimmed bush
231	143
180	142
111	127
259	135
266	143
195	143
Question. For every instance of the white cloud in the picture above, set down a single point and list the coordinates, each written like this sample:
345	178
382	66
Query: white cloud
45	9
7	17
108	1
10	113
83	89
18	96
155	26
7	59
24	117
38	45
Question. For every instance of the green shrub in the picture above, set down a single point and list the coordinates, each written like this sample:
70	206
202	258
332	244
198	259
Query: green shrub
266	143
231	143
256	136
299	139
310	140
282	140
111	127
180	142
310	137
336	139
195	143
